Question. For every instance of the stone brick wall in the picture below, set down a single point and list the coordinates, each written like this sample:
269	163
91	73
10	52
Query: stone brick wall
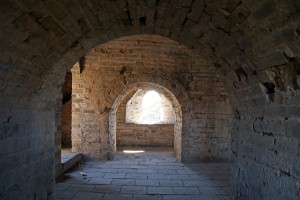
27	152
66	113
134	134
66	125
58	136
155	135
111	67
168	115
133	108
265	135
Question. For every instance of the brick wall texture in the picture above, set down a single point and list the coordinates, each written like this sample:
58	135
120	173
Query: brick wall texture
250	48
66	126
66	112
114	66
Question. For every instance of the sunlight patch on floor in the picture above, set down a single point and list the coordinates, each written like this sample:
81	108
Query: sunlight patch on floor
133	151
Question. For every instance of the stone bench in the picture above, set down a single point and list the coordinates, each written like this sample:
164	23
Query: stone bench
68	160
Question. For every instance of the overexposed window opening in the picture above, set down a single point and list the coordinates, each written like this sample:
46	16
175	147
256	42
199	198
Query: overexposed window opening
149	107
151	112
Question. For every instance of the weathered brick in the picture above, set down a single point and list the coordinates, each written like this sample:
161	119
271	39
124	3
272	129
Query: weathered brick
292	127
123	65
39	52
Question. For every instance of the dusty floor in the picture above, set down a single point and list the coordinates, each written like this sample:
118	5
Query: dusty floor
153	174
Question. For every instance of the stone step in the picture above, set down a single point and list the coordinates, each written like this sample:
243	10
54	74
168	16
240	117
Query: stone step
68	160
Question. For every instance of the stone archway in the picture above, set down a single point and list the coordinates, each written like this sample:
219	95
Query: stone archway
146	85
254	44
111	67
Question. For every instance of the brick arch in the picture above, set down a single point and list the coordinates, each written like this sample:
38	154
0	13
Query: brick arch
213	35
170	66
171	84
172	70
161	89
247	76
69	58
173	90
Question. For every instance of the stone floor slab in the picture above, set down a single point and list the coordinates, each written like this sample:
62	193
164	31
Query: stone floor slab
88	195
186	190
136	176
81	187
147	182
147	197
151	175
210	197
170	183
107	188
160	190
112	196
65	194
123	182
134	190
177	197
114	175
99	181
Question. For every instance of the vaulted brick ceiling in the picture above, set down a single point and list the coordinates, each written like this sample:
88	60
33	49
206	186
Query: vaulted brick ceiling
241	39
254	45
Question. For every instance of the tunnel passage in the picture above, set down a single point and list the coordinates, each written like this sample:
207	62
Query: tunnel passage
254	45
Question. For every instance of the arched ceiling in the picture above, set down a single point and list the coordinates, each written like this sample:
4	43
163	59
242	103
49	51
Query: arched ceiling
40	40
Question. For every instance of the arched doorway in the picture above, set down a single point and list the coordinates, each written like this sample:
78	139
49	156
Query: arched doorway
146	86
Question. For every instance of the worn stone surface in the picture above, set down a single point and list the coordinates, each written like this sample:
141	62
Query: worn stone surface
66	112
40	40
134	177
156	135
34	170
66	125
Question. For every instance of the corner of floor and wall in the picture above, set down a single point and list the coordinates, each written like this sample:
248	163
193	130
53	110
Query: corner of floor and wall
209	58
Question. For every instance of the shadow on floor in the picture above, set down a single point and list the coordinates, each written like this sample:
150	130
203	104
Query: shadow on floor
152	174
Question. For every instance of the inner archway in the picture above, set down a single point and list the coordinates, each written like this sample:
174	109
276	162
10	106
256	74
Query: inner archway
107	70
133	88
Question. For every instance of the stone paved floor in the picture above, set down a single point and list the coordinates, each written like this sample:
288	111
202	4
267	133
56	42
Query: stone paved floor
154	174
